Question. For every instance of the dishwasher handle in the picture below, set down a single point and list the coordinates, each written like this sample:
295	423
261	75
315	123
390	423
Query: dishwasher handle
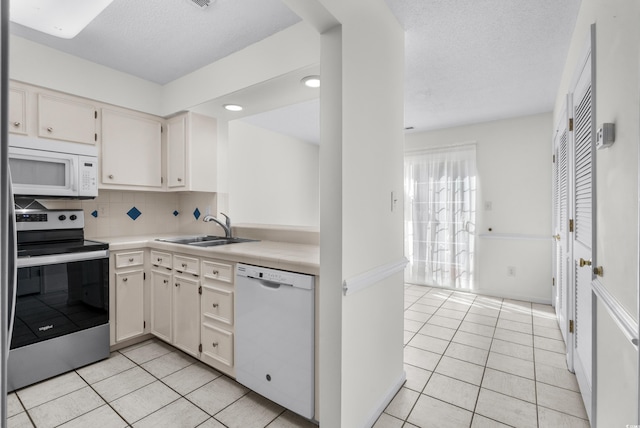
270	284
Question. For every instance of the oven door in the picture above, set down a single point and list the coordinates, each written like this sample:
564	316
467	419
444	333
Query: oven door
42	173
60	294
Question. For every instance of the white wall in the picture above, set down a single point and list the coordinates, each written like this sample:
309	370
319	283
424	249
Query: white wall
273	178
40	65
360	165
617	56
514	174
291	49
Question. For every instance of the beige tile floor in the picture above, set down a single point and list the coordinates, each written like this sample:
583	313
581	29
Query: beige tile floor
474	361
150	384
471	361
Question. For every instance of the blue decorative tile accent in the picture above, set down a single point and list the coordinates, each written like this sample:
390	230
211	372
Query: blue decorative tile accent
134	213
196	213
175	213
95	213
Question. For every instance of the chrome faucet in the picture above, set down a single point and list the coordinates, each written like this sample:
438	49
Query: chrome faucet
226	225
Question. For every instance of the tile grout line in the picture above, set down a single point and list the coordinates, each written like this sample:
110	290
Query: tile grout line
442	355
533	348
179	394
405	420
484	370
535	373
25	410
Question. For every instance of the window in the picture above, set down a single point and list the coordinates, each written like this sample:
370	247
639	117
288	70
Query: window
440	201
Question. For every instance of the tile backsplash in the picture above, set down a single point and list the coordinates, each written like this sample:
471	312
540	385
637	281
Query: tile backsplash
125	213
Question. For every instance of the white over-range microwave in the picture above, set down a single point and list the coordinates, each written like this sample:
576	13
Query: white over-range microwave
54	169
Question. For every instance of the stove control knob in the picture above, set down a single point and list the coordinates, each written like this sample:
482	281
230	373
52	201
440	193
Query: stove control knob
73	217
62	217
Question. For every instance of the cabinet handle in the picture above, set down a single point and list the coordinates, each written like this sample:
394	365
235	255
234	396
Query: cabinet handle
16	124
215	344
184	265
215	272
49	129
179	179
215	305
159	260
166	281
111	176
124	279
130	259
177	284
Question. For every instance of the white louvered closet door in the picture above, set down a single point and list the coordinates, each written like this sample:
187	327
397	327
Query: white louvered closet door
583	215
562	272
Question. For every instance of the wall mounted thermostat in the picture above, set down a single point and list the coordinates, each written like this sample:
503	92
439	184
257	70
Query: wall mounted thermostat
605	136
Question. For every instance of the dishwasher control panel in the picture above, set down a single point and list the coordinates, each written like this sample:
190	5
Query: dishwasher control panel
294	279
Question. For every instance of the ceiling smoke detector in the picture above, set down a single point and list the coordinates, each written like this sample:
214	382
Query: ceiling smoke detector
201	3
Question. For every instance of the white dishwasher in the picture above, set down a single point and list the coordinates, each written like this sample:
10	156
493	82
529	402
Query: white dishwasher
274	352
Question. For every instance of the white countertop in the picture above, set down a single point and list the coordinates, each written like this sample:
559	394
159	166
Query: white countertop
277	255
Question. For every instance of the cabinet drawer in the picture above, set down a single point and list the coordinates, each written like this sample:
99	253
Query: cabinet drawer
217	271
186	265
158	258
217	304
217	344
133	258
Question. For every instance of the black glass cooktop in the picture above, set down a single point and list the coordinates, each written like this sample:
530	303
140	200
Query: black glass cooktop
48	248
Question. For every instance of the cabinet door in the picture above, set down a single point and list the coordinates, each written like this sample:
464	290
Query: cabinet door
176	151
161	292
186	314
129	304
131	150
66	119
17	111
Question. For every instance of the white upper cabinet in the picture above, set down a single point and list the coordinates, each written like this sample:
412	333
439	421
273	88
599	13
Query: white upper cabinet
131	149
176	152
17	111
192	153
67	119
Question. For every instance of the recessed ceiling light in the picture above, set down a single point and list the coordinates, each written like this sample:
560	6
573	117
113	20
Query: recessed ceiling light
232	107
311	81
60	18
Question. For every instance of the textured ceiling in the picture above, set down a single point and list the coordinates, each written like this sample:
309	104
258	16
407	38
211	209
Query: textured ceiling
162	40
471	61
467	61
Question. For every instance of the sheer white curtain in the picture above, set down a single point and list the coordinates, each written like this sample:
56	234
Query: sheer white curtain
440	211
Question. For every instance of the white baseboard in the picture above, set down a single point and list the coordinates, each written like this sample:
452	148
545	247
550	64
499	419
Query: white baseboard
384	402
489	293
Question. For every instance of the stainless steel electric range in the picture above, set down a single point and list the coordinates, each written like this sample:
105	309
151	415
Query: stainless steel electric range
61	312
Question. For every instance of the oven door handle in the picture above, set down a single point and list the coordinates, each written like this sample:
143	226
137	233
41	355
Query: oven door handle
54	259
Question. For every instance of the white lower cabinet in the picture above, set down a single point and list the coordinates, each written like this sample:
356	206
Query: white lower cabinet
186	314
161	302
161	295
216	307
127	289
130	304
191	302
217	346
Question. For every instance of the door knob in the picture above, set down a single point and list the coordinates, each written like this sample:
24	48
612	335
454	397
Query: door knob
584	262
557	237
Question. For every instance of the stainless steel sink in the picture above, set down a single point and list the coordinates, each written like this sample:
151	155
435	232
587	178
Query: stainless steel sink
204	241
